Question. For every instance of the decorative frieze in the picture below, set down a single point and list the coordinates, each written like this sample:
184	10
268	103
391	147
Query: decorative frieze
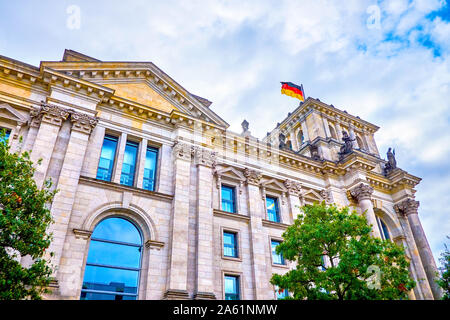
82	122
362	192
407	207
204	157
293	188
252	176
182	151
53	114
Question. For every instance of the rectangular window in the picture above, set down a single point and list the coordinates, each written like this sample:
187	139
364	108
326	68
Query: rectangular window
276	258
129	163
7	133
151	159
228	199
231	284
282	293
107	156
272	209
230	248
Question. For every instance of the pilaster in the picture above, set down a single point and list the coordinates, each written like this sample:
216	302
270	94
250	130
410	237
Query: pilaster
258	236
204	160
294	191
178	253
82	126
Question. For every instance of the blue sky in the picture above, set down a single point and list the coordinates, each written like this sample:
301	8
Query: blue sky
386	61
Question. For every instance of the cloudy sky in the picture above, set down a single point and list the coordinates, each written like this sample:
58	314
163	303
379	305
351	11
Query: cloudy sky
386	61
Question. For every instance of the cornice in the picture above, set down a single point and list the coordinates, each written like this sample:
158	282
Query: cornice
233	216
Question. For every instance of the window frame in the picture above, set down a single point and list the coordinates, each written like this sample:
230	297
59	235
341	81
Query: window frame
284	264
277	205
380	224
239	278
238	244
114	160
234	189
139	269
157	163
136	161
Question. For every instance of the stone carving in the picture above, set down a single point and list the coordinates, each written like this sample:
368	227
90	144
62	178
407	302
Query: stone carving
204	157
182	150
245	131
315	155
252	176
347	148
35	118
294	188
53	114
82	122
362	192
392	163
407	207
283	144
326	195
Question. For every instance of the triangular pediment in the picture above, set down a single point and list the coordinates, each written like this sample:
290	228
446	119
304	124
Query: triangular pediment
274	184
139	82
313	195
230	173
9	113
142	93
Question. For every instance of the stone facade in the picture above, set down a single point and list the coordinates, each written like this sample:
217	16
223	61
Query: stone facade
64	109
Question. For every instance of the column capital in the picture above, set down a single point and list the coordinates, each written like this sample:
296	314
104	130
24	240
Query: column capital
82	122
407	207
326	195
204	157
53	114
294	188
362	192
182	151
252	176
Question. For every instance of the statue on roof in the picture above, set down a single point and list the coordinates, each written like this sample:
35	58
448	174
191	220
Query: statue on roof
347	148
392	163
245	131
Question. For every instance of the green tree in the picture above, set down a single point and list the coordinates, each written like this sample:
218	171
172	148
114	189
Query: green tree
342	239
24	218
444	279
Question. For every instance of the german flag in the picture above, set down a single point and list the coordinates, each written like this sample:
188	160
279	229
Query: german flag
293	90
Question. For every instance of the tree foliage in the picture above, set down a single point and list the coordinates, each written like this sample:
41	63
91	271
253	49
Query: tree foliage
24	219
342	239
444	279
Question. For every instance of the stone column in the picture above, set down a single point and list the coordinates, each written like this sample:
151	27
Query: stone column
305	131
178	250
352	135
141	162
51	118
326	127
258	236
363	194
293	193
119	156
204	160
338	127
422	290
82	125
409	208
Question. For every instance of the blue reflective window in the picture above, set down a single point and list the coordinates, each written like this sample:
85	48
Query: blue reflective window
113	263
231	284
272	209
106	163
282	293
383	229
228	203
276	258
6	136
230	248
151	159
129	163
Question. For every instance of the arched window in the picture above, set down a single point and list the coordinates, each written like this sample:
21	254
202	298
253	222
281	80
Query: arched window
114	261
332	132
360	143
384	231
300	138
